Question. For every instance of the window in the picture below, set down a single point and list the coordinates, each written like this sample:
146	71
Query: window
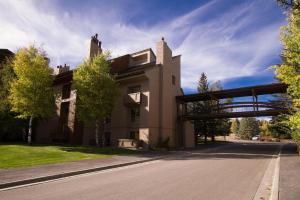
66	90
173	79
134	114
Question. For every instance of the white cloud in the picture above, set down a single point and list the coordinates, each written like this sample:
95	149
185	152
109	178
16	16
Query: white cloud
215	46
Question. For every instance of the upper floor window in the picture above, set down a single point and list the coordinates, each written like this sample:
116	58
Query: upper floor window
134	114
173	79
66	90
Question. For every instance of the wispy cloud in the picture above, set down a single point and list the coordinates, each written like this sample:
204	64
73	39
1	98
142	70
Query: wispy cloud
224	45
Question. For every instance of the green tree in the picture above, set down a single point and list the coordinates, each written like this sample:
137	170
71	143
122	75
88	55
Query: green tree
235	126
96	91
201	107
211	126
248	128
10	127
264	128
31	92
279	127
6	76
289	71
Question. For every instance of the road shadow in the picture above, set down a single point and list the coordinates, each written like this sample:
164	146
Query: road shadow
231	150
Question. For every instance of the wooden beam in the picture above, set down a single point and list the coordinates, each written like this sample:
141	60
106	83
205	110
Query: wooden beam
271	112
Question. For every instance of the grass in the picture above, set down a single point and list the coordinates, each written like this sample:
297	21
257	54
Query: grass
21	155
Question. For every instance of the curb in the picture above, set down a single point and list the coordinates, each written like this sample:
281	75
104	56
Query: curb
275	183
69	174
268	188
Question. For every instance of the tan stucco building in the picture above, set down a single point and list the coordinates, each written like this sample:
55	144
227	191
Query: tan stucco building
146	110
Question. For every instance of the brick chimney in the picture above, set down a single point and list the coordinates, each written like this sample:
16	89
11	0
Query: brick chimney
60	69
95	47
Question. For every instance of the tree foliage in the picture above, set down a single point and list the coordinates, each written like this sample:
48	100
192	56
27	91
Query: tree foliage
234	128
289	71
279	127
31	92
248	128
6	76
11	129
96	90
210	127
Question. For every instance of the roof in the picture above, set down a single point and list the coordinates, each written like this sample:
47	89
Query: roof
236	92
66	77
138	52
120	67
4	53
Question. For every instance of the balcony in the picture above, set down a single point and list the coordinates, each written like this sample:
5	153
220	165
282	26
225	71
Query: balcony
132	99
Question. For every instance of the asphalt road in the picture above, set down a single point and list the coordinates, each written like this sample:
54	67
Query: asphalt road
231	172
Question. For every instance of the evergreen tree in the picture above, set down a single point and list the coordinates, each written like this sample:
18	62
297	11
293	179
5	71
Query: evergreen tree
210	127
279	127
200	126
248	128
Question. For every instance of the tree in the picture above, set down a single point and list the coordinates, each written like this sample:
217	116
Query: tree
96	90
201	126
248	128
289	71
10	127
235	126
264	128
210	126
6	76
31	92
279	127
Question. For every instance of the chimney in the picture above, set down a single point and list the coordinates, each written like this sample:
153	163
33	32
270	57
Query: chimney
60	69
163	52
95	47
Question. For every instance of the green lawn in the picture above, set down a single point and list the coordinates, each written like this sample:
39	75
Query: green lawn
20	155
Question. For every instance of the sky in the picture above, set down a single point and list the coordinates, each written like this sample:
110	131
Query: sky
234	41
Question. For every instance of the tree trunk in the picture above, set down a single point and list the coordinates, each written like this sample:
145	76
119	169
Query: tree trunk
205	132
30	130
212	137
102	133
97	132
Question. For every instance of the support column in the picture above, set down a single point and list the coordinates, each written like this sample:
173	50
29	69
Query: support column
189	135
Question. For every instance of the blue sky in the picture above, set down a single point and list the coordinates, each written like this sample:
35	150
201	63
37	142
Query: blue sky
234	41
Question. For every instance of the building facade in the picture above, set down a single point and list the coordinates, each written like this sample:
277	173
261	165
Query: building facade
144	113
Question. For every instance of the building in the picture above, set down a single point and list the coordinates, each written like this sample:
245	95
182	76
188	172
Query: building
146	110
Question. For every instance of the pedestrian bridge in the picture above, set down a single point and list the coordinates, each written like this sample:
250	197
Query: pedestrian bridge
234	109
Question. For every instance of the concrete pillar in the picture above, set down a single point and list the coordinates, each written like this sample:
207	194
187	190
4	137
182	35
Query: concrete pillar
189	138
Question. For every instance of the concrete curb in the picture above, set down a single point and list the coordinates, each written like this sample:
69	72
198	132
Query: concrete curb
72	173
275	183
268	188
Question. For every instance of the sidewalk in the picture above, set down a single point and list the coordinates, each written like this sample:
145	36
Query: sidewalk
289	181
16	177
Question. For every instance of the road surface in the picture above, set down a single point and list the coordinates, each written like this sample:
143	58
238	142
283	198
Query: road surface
230	172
